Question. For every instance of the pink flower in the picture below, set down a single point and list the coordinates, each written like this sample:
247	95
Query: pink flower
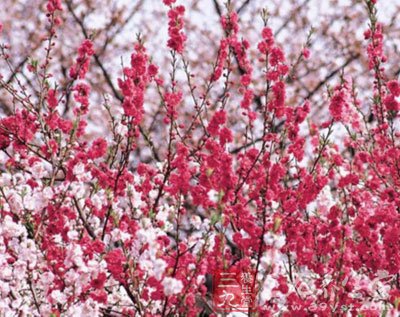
54	5
99	281
82	96
81	65
52	99
172	100
177	38
172	286
268	37
115	261
169	2
394	87
98	149
306	53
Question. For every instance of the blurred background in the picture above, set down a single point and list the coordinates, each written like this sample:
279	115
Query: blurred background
337	48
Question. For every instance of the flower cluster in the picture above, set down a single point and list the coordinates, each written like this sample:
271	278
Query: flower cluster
230	174
134	84
81	65
177	38
54	5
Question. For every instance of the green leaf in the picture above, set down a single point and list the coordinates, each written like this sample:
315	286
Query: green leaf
215	218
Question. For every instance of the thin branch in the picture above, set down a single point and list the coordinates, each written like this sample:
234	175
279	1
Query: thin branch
331	75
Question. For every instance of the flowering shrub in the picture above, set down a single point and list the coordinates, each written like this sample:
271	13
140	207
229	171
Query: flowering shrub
236	176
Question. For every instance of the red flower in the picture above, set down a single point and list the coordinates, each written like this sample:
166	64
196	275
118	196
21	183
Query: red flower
99	281
115	264
81	65
54	5
98	149
52	99
177	38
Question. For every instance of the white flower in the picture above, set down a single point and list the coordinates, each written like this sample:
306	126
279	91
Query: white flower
18	179
267	259
117	235
266	293
4	289
78	189
29	203
48	193
269	238
274	205
46	278
98	199
159	268
73	235
163	213
79	169
6	273
74	256
121	129
172	286
200	279
324	200
11	229
244	234
57	238
19	269
213	196
146	223
16	303
196	222
205	226
5	180
153	194
91	308
38	170
134	196
58	297
278	241
15	202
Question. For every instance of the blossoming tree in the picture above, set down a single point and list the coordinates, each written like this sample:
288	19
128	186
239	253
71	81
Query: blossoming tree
126	200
